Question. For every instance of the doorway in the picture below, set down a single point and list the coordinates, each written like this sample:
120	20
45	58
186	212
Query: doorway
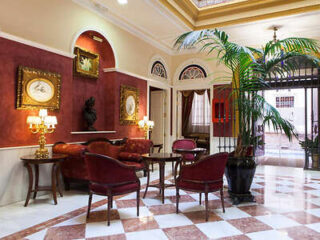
196	116
157	114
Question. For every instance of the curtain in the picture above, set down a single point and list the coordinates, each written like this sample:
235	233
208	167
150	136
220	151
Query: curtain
199	117
187	100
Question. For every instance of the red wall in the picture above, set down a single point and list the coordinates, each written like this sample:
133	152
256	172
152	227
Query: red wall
74	90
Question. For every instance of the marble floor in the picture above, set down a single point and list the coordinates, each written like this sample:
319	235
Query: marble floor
287	207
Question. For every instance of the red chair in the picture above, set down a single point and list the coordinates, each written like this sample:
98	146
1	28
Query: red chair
185	144
203	176
109	177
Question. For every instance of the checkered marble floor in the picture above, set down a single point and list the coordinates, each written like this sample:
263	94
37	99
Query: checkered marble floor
287	207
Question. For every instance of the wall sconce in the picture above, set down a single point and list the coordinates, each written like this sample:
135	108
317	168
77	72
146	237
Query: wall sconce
42	124
146	125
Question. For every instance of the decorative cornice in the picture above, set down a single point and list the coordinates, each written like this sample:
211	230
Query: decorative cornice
150	80
34	44
218	13
140	33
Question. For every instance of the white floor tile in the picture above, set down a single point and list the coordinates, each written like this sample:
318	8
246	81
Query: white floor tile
126	213
156	234
155	201
172	220
210	196
315	211
314	226
269	235
277	221
190	207
231	213
38	236
218	229
102	229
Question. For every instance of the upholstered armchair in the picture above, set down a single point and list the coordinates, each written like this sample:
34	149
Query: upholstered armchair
203	176
185	144
110	177
132	151
74	167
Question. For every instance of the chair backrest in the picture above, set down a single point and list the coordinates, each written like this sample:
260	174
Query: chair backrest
107	170
140	146
104	148
184	144
210	168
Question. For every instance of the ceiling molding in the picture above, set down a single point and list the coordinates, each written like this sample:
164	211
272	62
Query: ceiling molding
125	25
283	13
215	13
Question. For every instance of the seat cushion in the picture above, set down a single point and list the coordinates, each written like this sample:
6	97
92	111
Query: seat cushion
198	186
101	189
135	164
131	157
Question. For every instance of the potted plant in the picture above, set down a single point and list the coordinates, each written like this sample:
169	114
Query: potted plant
250	68
312	148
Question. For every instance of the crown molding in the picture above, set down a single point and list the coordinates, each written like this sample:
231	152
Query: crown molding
164	83
35	44
125	25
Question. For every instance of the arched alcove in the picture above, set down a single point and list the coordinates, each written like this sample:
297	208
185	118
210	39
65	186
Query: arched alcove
84	87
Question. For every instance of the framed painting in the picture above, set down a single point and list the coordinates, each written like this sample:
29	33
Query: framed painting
86	63
38	89
129	105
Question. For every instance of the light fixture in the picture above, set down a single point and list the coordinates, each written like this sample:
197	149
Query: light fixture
42	124
146	125
122	2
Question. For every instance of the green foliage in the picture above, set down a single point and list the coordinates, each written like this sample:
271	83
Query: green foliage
250	69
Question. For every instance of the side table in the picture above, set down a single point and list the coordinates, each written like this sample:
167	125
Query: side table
55	159
161	159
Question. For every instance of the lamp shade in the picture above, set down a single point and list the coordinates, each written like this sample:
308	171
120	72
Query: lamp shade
33	120
43	113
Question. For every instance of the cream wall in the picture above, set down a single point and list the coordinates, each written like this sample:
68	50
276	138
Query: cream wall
55	23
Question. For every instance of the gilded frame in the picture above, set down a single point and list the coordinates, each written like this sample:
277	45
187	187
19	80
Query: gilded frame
86	63
127	95
38	89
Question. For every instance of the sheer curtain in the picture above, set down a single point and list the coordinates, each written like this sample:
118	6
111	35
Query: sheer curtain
199	119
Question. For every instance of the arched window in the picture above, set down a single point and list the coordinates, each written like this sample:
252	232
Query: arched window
192	72
159	70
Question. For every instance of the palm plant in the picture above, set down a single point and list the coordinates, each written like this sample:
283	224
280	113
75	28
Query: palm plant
250	70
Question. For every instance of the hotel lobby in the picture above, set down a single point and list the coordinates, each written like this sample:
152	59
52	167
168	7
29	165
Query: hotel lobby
160	119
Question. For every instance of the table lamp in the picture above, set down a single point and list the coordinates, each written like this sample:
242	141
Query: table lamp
146	125
42	124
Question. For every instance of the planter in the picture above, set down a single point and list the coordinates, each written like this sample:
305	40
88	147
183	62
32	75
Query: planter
240	173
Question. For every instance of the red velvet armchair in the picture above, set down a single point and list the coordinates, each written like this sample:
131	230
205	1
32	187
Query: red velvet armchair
109	177
203	176
185	144
74	167
132	151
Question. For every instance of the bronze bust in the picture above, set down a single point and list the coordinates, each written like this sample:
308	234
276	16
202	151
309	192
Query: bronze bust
90	114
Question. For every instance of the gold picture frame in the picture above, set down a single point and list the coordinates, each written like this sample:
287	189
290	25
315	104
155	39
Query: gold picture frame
86	63
38	89
129	105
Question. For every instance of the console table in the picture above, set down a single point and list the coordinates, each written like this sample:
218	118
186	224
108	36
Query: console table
55	160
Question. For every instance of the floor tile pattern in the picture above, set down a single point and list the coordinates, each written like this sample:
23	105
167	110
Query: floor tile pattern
286	207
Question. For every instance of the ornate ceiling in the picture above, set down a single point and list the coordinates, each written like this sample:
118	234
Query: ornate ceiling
206	3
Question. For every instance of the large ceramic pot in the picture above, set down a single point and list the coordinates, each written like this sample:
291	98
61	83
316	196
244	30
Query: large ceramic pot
240	173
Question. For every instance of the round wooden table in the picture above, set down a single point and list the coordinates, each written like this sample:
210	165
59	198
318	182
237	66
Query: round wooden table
197	152
55	159
161	159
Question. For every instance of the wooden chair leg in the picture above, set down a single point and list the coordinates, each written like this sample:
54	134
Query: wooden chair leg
109	206
89	205
111	202
200	198
177	200
138	202
207	207
222	199
148	179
